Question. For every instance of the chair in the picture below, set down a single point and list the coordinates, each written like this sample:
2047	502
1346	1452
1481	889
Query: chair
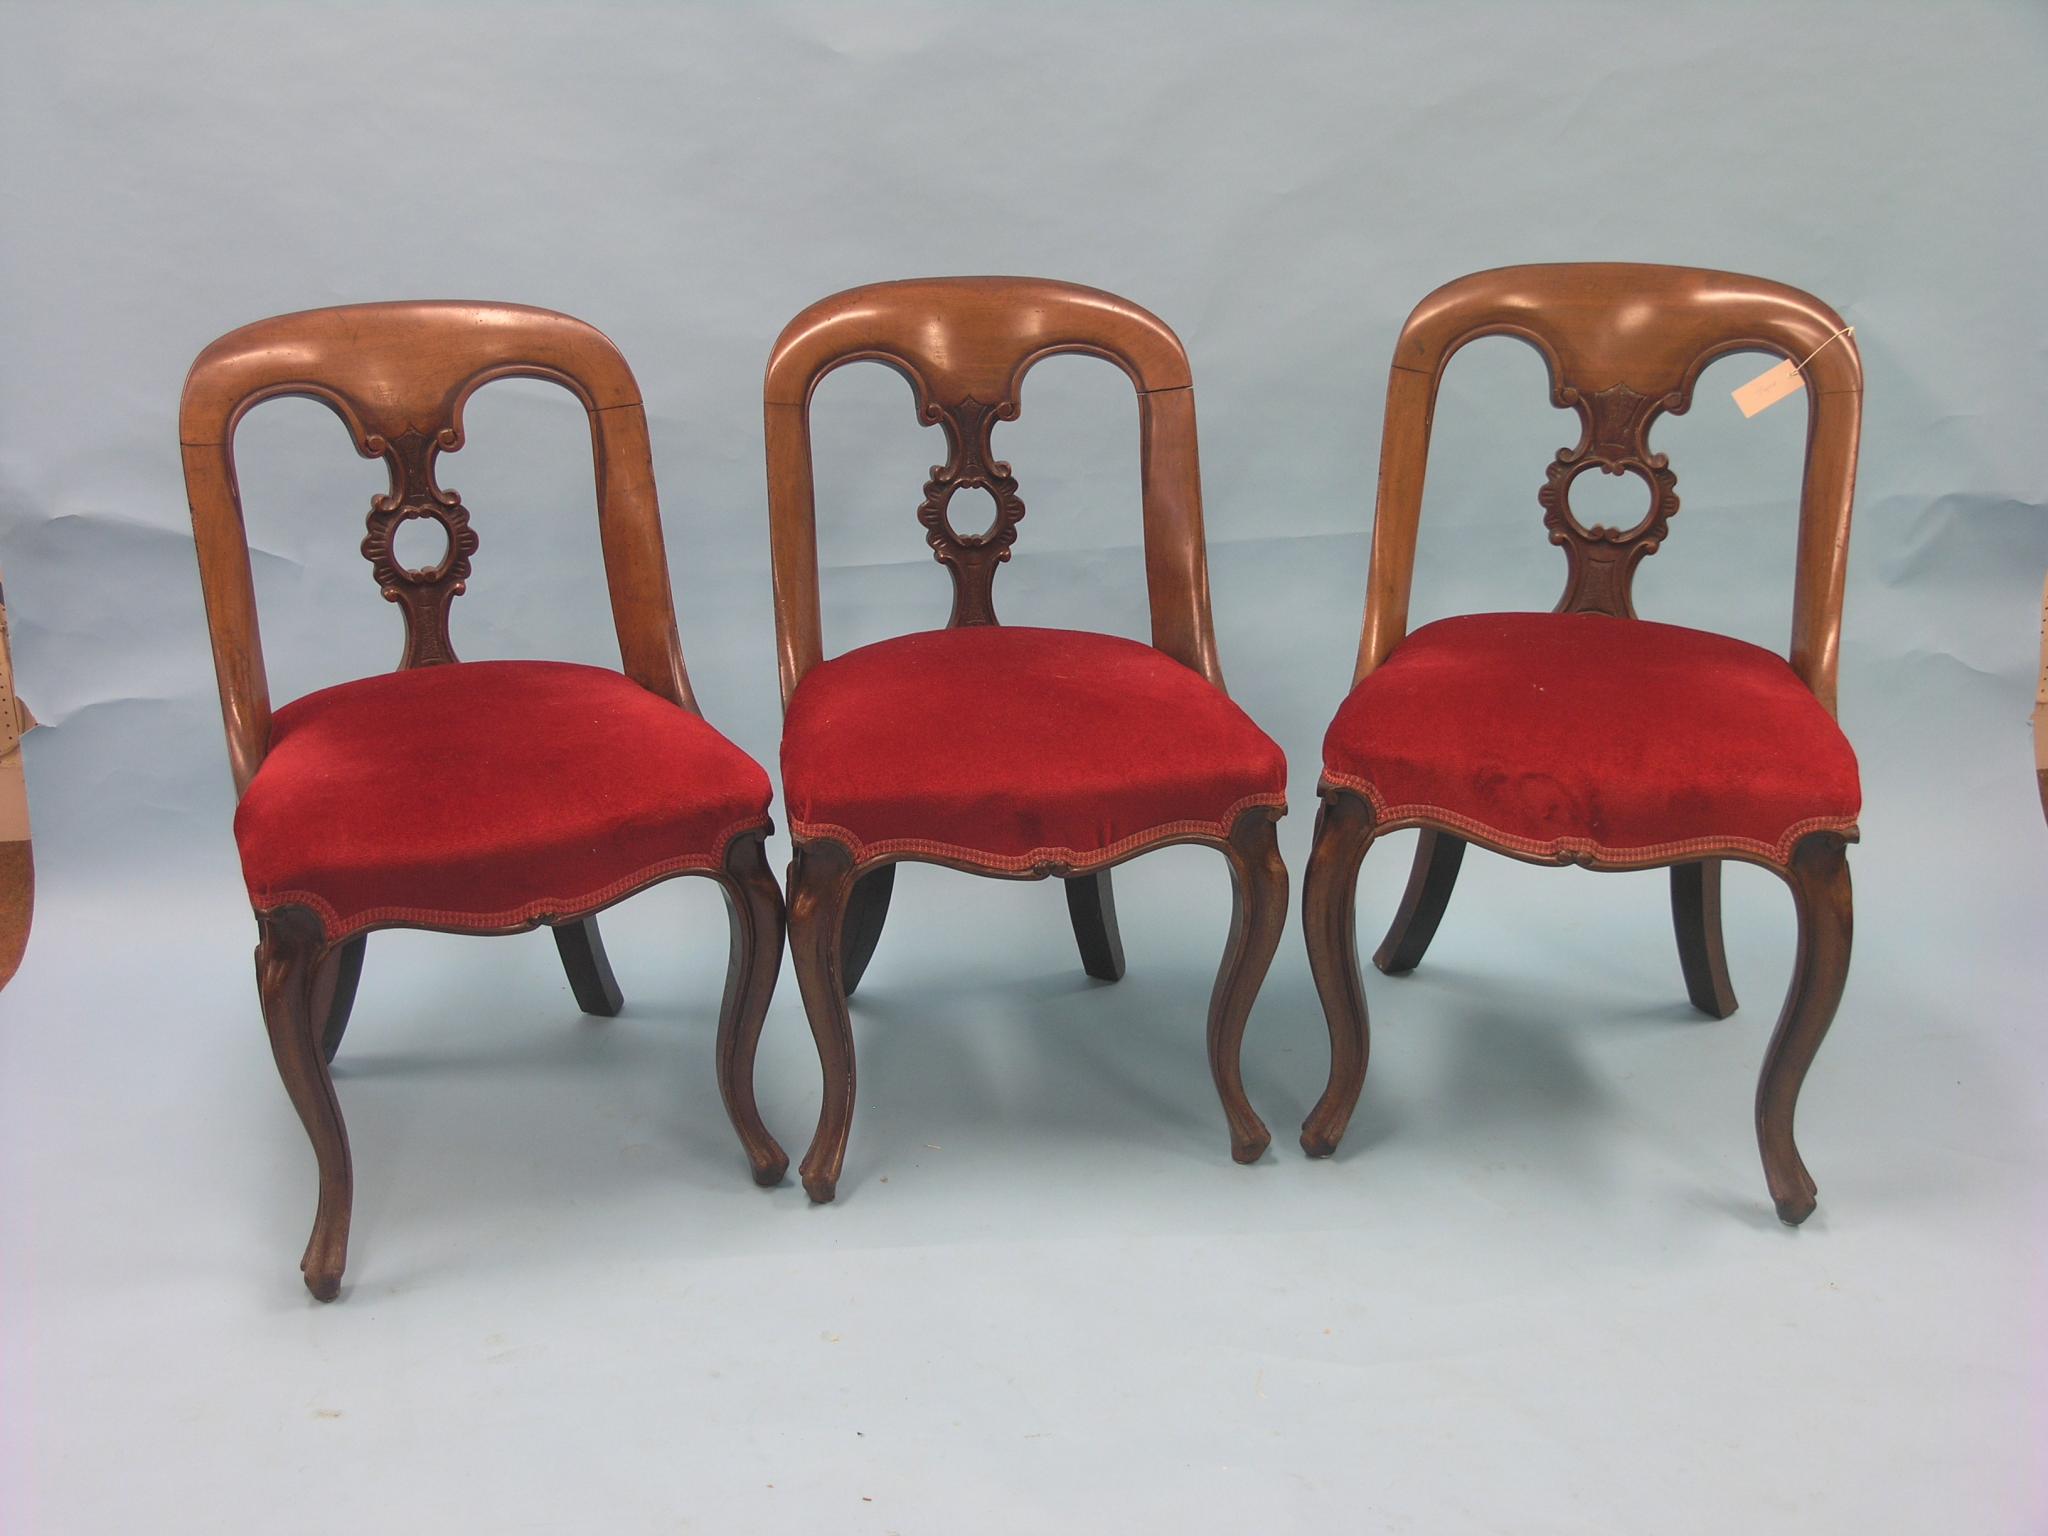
467	797
1006	751
1588	736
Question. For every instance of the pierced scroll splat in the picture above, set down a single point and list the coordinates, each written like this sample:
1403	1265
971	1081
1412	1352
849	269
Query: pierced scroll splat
1614	441
971	558
423	596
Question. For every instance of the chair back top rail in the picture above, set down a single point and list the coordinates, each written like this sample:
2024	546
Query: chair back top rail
1624	344
964	344
398	376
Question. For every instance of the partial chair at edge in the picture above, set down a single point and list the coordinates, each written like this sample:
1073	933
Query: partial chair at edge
1006	751
1588	736
467	797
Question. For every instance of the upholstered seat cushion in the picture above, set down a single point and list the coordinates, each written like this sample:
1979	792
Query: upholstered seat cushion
1010	748
485	795
1575	733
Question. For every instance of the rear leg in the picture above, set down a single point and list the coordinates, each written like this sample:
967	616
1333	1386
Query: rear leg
334	991
1696	915
867	909
1091	907
1438	856
590	968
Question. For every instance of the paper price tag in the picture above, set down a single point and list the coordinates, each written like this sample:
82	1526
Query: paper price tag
1767	389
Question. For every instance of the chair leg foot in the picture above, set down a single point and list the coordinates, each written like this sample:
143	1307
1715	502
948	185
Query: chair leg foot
1329	922
1258	915
1794	1209
290	951
754	903
1819	878
820	1187
821	882
1438	856
1696	917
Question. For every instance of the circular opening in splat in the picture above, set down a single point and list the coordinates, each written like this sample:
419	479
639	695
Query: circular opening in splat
972	505
420	545
1602	501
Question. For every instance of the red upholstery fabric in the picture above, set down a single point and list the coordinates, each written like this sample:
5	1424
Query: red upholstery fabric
485	795
1010	747
1635	742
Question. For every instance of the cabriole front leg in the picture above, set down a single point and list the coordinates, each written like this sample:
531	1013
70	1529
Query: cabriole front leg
1329	922
754	903
1819	877
1258	913
291	947
821	881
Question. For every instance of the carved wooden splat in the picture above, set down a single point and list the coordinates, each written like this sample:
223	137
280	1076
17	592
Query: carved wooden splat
423	596
971	558
1614	441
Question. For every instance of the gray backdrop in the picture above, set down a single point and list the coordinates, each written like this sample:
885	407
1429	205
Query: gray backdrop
1540	1290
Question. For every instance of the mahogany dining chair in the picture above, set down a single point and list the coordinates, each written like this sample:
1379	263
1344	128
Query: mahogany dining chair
1007	751
485	797
1586	735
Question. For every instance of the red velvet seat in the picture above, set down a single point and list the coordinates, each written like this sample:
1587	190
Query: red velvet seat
1636	742
486	795
1009	748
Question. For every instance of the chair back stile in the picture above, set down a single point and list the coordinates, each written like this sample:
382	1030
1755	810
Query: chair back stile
398	375
965	345
1624	344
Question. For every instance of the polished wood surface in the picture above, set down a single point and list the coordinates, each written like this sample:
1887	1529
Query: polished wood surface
1819	878
965	345
398	377
1329	926
1624	345
823	875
